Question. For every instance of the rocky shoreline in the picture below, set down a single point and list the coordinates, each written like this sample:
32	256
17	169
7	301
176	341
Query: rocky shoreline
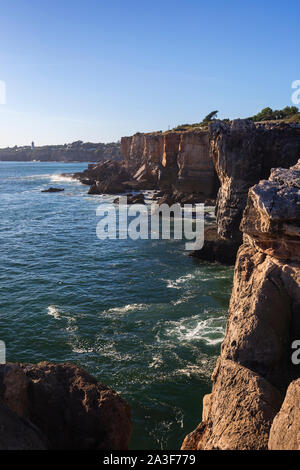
254	400
216	166
251	171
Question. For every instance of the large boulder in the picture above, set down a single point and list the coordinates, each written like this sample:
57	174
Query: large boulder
239	412
67	405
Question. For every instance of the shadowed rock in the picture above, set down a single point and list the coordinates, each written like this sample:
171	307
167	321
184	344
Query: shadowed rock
285	430
243	153
67	405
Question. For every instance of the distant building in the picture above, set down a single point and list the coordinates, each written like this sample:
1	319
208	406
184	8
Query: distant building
32	145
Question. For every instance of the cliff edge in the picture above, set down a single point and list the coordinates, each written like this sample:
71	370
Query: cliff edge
255	368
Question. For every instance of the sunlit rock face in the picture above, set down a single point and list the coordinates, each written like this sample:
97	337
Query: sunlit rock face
178	160
255	368
195	166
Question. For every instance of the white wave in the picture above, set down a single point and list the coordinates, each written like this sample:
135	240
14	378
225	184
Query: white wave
57	178
53	312
125	309
210	330
177	283
60	315
79	350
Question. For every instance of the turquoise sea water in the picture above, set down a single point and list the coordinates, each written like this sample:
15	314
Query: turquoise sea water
142	316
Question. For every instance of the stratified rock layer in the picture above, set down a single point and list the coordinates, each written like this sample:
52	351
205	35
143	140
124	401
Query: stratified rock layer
179	160
255	367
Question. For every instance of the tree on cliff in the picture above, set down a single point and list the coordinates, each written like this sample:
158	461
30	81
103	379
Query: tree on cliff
210	117
268	114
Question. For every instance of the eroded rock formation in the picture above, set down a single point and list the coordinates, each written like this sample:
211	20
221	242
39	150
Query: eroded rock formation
178	160
243	153
255	368
60	406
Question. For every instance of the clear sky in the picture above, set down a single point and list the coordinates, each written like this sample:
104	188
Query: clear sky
98	70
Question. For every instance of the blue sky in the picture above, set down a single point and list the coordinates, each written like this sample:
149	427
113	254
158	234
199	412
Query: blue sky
98	70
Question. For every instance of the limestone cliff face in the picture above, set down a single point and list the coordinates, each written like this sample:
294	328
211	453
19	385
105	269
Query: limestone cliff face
132	149
196	168
178	160
244	153
255	368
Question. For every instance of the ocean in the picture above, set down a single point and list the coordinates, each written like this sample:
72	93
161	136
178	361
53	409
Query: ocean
142	316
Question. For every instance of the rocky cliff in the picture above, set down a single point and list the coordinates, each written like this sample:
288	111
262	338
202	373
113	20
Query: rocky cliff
59	406
243	153
179	160
255	368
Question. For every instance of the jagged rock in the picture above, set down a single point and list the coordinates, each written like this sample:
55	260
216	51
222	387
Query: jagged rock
260	314
67	405
243	154
239	412
133	199
255	367
94	189
285	430
178	161
272	214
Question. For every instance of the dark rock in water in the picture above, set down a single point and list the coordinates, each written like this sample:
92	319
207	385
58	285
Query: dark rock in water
94	189
216	248
64	403
88	182
133	199
177	197
52	190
